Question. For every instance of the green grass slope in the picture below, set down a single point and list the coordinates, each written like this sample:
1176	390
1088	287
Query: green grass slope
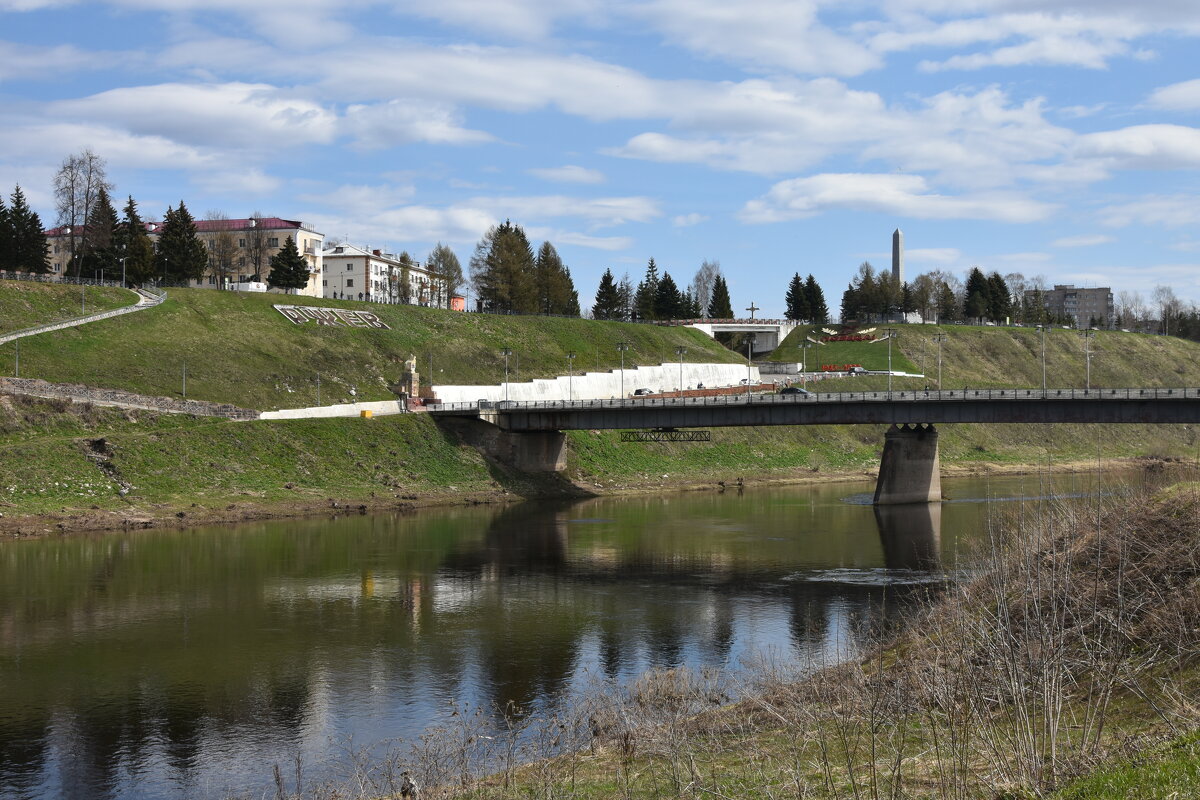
871	355
991	357
24	304
238	349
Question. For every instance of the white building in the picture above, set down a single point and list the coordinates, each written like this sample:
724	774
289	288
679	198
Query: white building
354	273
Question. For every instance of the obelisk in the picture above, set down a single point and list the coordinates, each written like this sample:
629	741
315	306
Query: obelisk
898	257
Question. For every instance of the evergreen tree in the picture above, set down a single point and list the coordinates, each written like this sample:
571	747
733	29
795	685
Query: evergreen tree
625	293
181	256
720	307
849	303
999	298
691	306
99	253
554	285
28	249
668	302
975	305
289	270
947	304
647	292
608	298
818	312
796	300
133	244
502	270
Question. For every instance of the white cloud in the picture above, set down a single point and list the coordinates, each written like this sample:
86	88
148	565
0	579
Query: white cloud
400	122
687	220
1171	211
361	200
569	173
42	142
513	19
933	255
1083	240
592	242
894	195
599	211
1184	96
252	182
1143	147
208	115
35	61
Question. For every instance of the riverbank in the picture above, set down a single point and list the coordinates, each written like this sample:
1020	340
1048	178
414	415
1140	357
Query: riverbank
67	468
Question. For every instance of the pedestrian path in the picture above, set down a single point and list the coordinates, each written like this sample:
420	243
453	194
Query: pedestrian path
147	298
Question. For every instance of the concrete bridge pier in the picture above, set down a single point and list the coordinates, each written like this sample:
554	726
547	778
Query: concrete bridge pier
910	471
536	451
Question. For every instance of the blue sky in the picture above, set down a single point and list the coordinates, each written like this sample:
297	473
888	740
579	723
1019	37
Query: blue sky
1054	138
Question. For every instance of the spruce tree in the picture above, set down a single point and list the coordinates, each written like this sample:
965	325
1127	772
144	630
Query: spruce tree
99	252
850	303
818	312
289	270
181	256
947	303
978	291
668	302
719	307
647	292
795	300
133	244
554	285
999	298
502	270
608	298
30	252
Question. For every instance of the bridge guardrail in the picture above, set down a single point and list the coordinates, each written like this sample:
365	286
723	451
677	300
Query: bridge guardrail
907	395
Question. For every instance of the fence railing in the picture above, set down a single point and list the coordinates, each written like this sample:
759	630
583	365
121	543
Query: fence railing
153	296
895	396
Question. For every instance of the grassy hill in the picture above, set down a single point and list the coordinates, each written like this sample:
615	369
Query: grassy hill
993	357
24	304
238	349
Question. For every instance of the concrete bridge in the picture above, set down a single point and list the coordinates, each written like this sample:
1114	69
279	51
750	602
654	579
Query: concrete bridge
528	436
769	333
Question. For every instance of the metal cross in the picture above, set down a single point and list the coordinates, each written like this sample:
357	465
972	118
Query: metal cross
752	309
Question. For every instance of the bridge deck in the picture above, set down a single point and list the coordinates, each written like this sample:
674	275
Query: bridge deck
1035	406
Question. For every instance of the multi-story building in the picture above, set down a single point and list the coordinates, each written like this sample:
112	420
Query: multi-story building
1085	306
239	249
354	273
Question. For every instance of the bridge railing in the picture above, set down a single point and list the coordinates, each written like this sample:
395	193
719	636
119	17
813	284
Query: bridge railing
895	396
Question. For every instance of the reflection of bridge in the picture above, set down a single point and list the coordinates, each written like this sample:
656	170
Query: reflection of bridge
529	436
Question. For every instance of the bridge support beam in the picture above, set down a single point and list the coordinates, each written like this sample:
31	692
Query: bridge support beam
538	451
910	471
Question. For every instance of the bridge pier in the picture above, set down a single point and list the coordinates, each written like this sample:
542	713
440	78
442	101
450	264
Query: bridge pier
910	470
536	451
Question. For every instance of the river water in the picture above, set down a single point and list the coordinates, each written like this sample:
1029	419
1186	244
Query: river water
186	663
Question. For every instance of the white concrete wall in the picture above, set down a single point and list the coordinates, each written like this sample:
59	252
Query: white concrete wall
379	408
603	385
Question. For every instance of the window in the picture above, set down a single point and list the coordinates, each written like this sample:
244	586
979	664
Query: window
212	280
273	242
349	283
324	283
241	242
349	267
242	261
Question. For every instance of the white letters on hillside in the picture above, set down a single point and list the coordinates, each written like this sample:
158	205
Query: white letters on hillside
331	316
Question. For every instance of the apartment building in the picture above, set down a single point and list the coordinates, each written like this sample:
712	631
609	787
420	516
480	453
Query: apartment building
1085	306
245	243
355	273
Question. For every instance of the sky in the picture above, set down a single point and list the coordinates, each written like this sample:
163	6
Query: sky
1054	138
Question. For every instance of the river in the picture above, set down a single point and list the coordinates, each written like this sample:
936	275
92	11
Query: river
185	663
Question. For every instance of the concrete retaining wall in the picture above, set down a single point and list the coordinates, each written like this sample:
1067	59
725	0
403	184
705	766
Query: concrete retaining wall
603	385
378	408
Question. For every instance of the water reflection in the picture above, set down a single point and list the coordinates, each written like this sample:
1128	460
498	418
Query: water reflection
185	663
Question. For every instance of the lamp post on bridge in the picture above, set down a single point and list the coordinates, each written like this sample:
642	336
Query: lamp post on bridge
571	376
804	346
679	351
621	348
506	352
1087	355
750	338
939	338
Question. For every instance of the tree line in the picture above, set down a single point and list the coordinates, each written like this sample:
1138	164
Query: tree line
508	276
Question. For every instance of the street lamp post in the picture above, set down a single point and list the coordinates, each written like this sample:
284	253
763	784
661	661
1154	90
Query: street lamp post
1087	355
506	352
17	369
679	351
318	388
123	271
621	348
939	338
750	338
1042	328
891	334
571	376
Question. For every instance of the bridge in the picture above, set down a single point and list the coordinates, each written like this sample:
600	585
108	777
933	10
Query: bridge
769	333
529	436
